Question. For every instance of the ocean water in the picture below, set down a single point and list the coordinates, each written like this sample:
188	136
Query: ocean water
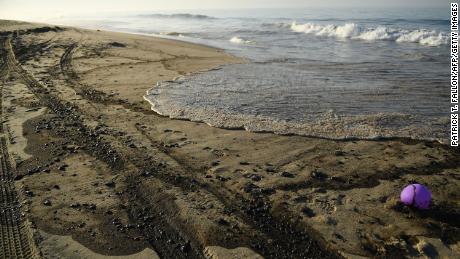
332	73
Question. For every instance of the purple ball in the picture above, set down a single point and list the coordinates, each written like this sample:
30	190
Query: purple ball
416	195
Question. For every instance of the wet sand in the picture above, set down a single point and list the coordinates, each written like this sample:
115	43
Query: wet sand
97	170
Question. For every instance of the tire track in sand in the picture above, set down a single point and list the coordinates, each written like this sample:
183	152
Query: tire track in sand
15	240
291	242
94	145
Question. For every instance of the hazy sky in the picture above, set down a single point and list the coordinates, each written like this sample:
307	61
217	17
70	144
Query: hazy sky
30	9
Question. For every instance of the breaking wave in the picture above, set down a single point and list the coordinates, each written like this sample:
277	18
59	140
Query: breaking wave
356	32
239	40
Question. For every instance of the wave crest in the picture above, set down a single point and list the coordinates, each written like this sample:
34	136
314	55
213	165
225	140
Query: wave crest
344	31
353	31
239	40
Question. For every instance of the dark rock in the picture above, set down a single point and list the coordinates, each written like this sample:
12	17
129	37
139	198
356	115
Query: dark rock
62	167
146	174
117	44
338	236
110	184
255	177
270	169
339	153
249	187
309	212
220	178
338	179
222	221
287	175
300	199
33	170
75	205
47	203
268	191
186	247
215	163
318	174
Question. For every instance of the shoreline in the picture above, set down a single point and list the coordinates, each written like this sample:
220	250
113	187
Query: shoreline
242	122
119	179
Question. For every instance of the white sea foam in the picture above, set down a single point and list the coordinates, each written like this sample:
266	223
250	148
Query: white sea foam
238	40
266	98
344	31
430	38
355	32
326	125
380	33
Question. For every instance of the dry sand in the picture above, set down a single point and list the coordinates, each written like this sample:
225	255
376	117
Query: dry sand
99	173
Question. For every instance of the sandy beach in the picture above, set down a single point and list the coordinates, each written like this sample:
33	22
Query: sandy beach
90	171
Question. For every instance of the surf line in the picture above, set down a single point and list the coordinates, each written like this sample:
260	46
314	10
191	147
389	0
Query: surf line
454	74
